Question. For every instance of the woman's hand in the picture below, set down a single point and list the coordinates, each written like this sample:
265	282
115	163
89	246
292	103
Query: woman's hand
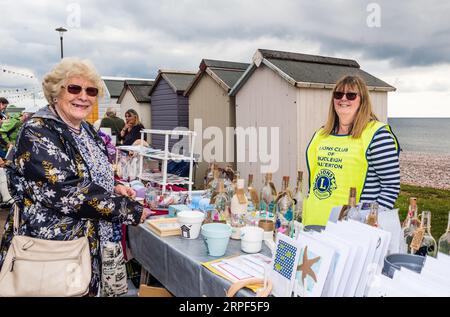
125	191
145	214
125	129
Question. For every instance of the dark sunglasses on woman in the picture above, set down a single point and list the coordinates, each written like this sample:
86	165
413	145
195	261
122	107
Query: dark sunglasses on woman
76	89
349	95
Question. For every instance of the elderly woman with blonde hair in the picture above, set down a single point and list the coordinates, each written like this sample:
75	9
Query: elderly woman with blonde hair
61	180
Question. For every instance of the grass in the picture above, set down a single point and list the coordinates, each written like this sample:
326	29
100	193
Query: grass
435	200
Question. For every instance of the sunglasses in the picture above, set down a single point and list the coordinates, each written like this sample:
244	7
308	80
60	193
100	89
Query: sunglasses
349	95
76	89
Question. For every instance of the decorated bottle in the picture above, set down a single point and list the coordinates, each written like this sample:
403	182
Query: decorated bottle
267	197
372	217
299	197
412	221
222	204
251	194
230	186
209	175
238	210
253	202
423	242
352	212
284	217
444	240
213	186
410	225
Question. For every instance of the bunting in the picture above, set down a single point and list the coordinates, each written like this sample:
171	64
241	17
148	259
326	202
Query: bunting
4	70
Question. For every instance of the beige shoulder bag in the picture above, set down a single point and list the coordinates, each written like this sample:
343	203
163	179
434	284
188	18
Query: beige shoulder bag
45	268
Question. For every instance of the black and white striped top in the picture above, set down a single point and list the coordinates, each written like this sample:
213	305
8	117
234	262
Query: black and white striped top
383	176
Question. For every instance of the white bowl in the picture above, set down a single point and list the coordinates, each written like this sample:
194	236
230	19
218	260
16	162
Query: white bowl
251	239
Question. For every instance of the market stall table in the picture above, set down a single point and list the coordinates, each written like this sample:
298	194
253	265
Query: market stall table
176	263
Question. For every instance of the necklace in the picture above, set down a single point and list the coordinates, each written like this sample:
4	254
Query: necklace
74	130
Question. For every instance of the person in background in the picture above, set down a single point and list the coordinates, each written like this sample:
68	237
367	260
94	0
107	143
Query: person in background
8	135
9	130
132	129
113	122
59	175
3	105
353	149
6	199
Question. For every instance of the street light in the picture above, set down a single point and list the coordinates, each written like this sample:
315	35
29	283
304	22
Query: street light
61	30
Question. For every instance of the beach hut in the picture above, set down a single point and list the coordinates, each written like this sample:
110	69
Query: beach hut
211	106
291	91
169	108
135	95
113	89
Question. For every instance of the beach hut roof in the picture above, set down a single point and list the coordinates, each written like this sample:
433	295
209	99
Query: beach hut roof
115	84
139	89
309	71
178	80
225	73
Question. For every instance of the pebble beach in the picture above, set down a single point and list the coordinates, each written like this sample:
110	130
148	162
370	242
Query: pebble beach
425	169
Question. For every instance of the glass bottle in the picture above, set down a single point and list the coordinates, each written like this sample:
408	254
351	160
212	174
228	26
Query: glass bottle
238	210
410	225
423	242
372	218
284	210
213	186
444	240
411	222
299	197
209	175
230	186
222	203
251	194
352	211
152	195
267	198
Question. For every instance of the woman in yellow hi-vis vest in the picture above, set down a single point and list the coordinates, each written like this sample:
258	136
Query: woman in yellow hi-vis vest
353	149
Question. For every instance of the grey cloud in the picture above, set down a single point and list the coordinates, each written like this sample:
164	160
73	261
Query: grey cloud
149	34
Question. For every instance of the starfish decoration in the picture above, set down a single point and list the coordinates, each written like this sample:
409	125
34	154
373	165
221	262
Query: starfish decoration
306	266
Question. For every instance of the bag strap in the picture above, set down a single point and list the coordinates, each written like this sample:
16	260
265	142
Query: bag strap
16	219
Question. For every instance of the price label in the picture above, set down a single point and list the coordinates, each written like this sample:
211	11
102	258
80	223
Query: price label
417	239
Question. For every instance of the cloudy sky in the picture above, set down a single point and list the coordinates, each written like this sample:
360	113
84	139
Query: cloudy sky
405	43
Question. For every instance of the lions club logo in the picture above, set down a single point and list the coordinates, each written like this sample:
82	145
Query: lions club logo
324	184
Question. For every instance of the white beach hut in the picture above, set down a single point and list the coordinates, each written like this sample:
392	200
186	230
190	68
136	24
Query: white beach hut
291	92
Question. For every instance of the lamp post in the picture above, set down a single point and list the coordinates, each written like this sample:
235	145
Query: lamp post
61	30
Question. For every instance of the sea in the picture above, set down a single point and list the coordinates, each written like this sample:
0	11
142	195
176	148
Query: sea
427	135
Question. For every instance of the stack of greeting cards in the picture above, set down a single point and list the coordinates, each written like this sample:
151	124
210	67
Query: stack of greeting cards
339	261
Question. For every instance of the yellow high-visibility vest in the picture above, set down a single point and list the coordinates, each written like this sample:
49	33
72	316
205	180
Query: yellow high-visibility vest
335	164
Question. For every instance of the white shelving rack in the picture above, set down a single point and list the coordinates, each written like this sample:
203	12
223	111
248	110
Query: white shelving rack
164	178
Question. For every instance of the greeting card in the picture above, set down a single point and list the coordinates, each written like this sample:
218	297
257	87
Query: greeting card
313	266
284	263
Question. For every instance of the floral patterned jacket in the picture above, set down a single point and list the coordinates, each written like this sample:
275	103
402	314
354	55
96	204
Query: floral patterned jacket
51	184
